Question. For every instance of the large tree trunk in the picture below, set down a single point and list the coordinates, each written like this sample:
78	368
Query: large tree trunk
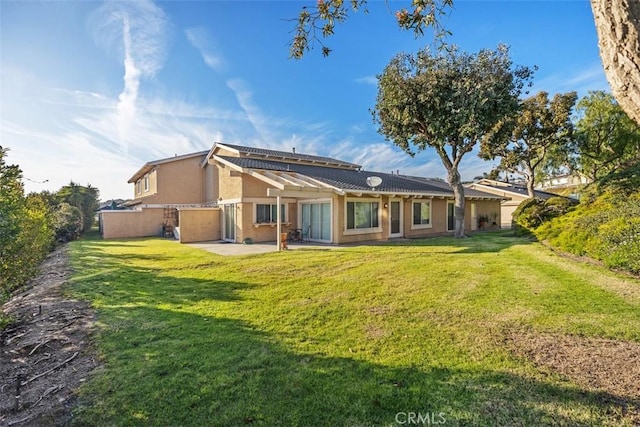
458	194
531	180
618	27
530	189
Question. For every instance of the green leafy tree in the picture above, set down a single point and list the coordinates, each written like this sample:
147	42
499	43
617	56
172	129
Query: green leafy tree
67	222
537	136
90	205
317	23
447	102
606	138
26	232
85	199
11	211
38	232
617	24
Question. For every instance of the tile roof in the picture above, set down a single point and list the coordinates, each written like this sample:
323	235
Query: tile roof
516	189
356	180
290	155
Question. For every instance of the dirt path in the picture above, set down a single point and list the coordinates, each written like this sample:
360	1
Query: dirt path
46	349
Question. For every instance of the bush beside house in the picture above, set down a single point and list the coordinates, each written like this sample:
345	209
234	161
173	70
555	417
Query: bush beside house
604	226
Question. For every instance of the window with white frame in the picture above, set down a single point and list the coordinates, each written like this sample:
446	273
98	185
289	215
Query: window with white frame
363	215
146	183
267	213
138	187
421	214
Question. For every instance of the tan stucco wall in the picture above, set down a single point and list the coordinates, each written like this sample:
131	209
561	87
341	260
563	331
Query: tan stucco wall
438	219
490	208
153	183
125	224
230	182
253	187
151	191
180	181
211	189
506	212
340	226
261	232
200	224
175	182
507	207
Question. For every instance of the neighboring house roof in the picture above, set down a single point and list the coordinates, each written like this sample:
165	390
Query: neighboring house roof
303	176
510	188
111	204
280	156
148	167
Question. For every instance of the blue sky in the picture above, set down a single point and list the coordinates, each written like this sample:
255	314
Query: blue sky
90	91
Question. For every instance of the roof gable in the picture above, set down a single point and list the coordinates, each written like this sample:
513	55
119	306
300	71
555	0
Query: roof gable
148	167
515	189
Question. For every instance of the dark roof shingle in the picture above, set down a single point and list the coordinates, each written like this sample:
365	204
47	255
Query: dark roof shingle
356	180
291	155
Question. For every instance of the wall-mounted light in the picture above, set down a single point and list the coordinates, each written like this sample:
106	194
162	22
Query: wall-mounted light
386	205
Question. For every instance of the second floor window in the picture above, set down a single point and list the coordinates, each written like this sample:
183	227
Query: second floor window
146	183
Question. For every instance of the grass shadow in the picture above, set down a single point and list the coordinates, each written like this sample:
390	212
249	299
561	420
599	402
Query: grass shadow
204	370
178	350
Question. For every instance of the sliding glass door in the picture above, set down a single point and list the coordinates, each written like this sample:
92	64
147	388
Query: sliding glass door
229	226
316	220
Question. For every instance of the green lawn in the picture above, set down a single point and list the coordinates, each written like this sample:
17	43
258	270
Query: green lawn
355	336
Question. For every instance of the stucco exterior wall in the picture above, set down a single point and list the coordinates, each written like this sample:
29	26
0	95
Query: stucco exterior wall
506	213
507	207
266	232
253	187
230	183
174	182
211	189
126	224
180	182
492	209
438	219
340	232
200	224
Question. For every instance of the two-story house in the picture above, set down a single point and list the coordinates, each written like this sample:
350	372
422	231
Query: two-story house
235	193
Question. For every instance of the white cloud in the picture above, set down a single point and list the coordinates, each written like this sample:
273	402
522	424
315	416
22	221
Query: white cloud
368	80
260	123
201	40
583	80
99	137
148	31
138	31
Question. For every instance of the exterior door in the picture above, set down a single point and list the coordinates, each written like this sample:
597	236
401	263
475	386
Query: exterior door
451	217
474	216
316	218
395	218
229	226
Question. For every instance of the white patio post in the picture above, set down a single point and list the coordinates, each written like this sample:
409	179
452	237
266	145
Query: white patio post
279	221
